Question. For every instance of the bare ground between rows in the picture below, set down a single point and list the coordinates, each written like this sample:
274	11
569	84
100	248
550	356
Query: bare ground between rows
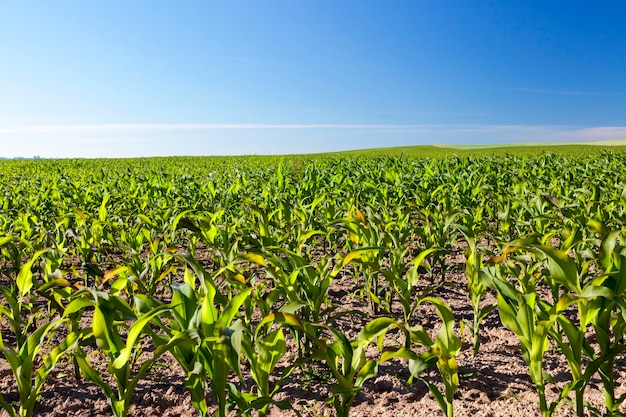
495	383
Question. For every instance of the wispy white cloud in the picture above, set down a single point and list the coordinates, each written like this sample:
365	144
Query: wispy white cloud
539	132
594	133
151	127
542	133
568	92
130	140
523	129
513	133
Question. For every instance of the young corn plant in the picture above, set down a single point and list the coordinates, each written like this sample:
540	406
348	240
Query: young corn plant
221	343
568	281
263	350
437	230
364	234
608	313
190	355
213	348
442	351
32	328
346	359
535	320
526	315
476	289
402	278
595	290
302	285
110	315
302	288
389	261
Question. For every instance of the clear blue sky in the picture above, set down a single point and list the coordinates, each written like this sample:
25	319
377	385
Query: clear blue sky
141	78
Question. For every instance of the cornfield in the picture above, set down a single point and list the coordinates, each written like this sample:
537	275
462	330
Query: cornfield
226	268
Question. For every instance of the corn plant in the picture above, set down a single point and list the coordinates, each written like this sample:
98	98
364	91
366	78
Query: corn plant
476	290
364	234
300	283
32	328
437	230
346	359
534	320
599	297
215	348
348	363
402	278
529	317
190	355
568	281
110	315
442	351
608	314
263	350
302	288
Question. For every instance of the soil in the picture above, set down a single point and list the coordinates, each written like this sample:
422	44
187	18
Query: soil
494	383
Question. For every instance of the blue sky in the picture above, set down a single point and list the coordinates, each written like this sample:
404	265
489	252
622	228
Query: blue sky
143	78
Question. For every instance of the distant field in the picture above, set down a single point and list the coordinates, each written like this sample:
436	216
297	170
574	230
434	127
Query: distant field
619	142
524	148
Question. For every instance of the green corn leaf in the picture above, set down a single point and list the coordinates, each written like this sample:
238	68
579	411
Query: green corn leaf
102	327
25	277
90	374
76	305
134	333
562	268
446	339
403	353
102	211
283	318
375	328
233	307
360	253
185	303
509	317
369	370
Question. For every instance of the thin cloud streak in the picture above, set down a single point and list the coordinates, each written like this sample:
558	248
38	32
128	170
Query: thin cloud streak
103	128
600	133
138	140
479	134
540	131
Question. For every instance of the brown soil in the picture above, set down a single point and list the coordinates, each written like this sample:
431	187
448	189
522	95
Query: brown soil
495	383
